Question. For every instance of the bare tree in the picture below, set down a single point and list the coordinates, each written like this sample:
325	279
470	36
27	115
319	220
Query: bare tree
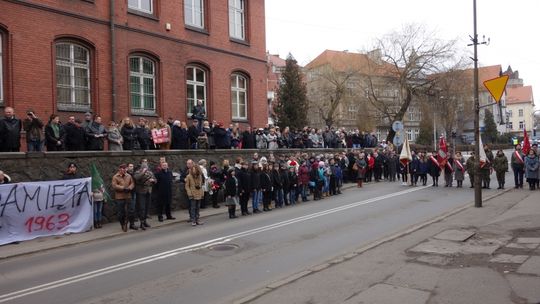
454	100
332	91
409	59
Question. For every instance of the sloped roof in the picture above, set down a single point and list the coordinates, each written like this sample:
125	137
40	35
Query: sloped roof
346	61
276	60
485	73
519	95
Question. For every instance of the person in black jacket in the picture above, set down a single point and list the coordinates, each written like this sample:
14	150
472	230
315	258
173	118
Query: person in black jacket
266	187
10	132
129	134
293	184
220	136
75	135
33	126
193	133
244	179
71	172
95	134
231	192
180	136
164	182
248	139
277	184
284	174
55	135
144	135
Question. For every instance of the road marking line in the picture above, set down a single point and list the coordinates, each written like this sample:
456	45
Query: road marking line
190	248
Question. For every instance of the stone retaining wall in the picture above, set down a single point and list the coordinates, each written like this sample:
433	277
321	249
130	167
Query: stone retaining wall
43	166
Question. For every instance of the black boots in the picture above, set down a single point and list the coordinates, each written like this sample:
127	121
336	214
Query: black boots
232	211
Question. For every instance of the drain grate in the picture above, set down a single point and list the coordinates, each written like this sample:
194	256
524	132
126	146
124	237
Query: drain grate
224	247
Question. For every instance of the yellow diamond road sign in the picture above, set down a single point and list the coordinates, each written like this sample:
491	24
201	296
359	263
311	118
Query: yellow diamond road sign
496	86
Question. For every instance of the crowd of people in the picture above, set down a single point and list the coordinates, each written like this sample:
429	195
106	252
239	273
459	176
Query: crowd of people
269	182
92	134
276	182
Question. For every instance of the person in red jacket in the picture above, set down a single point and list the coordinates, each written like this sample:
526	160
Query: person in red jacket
303	180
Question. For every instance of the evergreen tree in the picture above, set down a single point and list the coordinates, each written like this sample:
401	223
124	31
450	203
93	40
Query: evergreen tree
490	128
425	137
292	106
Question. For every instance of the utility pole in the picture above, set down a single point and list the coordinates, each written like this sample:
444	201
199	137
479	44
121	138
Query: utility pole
477	184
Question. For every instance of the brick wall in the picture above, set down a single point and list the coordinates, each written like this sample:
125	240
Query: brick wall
33	26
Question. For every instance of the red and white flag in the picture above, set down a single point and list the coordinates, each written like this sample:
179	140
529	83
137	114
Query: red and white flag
483	156
526	142
406	156
442	156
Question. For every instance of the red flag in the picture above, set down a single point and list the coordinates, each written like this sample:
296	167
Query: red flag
442	156
526	142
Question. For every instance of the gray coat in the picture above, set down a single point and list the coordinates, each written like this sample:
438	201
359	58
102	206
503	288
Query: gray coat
531	167
458	174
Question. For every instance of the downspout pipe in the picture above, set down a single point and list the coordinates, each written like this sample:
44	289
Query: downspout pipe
113	60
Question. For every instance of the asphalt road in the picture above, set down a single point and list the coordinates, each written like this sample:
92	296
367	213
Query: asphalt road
223	259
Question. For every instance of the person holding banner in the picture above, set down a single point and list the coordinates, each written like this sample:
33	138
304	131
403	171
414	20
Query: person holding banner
4	178
122	183
71	172
518	166
434	168
500	164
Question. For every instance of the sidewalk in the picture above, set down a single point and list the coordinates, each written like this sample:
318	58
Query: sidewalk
476	255
109	230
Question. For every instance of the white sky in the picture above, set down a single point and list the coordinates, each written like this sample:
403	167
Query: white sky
306	28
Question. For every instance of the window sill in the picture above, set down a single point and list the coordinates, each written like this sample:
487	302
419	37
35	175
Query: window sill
142	14
73	108
144	113
239	41
241	120
197	29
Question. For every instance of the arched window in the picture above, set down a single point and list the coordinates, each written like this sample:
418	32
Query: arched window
72	76
196	87
142	80
239	96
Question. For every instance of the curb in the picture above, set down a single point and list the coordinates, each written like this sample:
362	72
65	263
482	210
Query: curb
345	257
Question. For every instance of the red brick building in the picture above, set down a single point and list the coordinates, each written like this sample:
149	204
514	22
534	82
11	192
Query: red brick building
134	58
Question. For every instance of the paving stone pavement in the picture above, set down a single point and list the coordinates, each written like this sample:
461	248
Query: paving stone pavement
480	255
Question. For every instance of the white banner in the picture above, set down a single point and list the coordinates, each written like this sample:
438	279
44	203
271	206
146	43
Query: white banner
31	210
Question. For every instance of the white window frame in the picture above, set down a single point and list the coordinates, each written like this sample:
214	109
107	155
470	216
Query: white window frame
521	125
1	69
510	113
416	134
520	113
236	92
409	133
510	125
139	6
191	10
141	76
72	65
237	19
191	104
